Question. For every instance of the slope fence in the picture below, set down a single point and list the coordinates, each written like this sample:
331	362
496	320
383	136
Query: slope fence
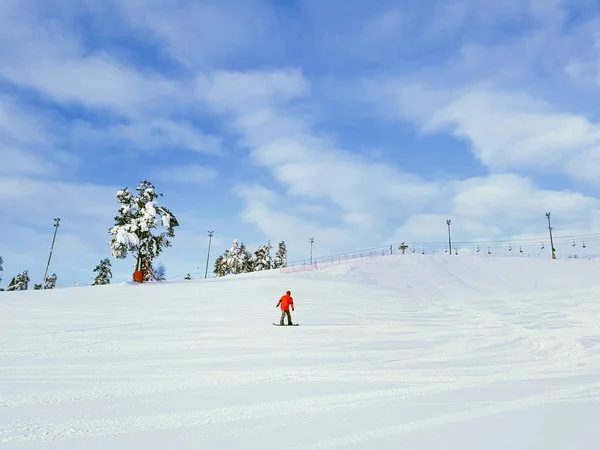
323	262
329	261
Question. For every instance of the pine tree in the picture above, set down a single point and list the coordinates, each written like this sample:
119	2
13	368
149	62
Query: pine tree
138	216
20	283
231	258
160	272
220	269
245	263
37	287
104	273
236	259
262	257
280	259
1	266
50	281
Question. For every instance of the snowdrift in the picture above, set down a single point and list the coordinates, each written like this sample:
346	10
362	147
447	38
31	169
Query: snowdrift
407	351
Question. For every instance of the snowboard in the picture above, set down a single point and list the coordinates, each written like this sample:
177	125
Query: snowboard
285	325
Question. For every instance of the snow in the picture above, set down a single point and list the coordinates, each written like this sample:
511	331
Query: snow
400	352
166	219
125	237
149	216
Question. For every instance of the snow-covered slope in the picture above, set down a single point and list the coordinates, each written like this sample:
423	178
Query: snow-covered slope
401	352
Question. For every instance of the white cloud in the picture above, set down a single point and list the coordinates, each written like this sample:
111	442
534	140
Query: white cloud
306	164
94	81
19	127
278	220
493	207
14	161
27	142
148	109
201	35
506	130
511	198
190	174
244	92
149	135
39	201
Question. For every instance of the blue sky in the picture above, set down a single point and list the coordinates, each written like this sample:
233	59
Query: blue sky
358	123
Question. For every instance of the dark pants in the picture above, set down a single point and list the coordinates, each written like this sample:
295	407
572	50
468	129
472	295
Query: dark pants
289	316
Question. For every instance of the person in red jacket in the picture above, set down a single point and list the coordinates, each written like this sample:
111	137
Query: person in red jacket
286	302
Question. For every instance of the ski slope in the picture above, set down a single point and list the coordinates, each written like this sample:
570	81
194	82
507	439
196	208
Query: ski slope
402	352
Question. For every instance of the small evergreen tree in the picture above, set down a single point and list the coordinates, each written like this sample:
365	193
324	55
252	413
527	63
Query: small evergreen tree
104	273
50	281
20	282
236	259
1	266
138	217
244	264
23	281
37	287
262	257
220	269
160	272
280	259
232	257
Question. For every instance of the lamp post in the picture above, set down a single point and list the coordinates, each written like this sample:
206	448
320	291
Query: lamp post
449	222
56	224
311	240
551	241
210	235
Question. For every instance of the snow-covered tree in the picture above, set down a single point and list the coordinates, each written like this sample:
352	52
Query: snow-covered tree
245	263
104	273
50	281
138	217
220	269
280	259
37	287
236	260
231	258
262	257
1	266
19	283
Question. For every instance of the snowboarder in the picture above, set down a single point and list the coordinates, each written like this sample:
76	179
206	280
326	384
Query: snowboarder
286	301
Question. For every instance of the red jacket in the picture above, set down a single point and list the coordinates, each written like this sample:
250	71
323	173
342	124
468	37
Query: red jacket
286	301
